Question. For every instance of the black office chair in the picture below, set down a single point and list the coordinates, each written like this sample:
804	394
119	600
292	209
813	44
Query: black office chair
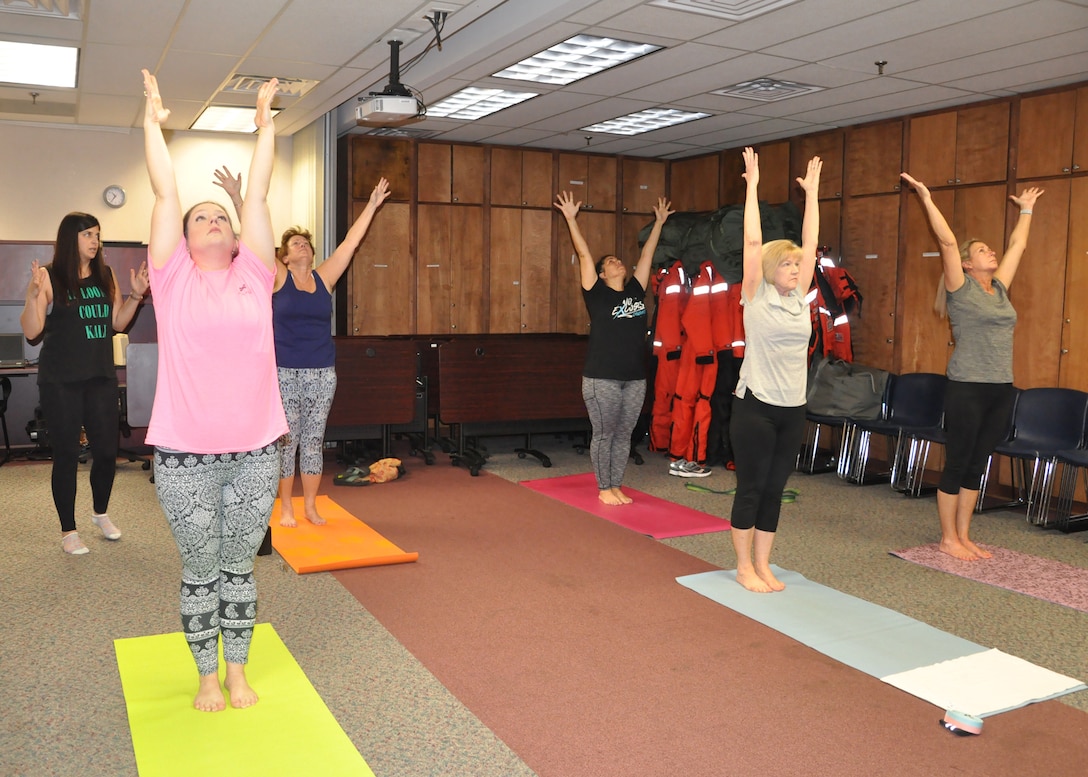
1046	422
5	392
915	402
916	438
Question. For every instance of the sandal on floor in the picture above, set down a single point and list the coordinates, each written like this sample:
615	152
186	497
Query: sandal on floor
353	476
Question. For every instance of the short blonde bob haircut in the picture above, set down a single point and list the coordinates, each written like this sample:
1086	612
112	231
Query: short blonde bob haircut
776	252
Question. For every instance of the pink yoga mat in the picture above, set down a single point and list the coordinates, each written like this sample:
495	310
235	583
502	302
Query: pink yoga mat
1051	581
649	515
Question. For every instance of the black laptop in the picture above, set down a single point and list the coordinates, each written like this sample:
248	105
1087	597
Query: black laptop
12	354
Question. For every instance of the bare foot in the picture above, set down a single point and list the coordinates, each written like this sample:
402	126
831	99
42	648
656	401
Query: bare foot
314	517
209	696
767	576
979	552
957	550
608	497
753	582
241	695
624	499
287	518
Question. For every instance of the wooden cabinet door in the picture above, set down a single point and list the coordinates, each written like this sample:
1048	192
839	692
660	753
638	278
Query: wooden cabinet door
434	172
434	269
874	159
467	176
537	277
931	153
521	178
693	184
982	143
599	230
1035	291
450	173
1080	132
775	182
450	292
643	183
1045	144
382	274
468	300
374	158
870	255
505	176
829	147
520	271
1073	369
922	340
590	178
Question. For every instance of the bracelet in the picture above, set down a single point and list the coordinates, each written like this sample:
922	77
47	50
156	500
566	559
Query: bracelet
132	295
1025	213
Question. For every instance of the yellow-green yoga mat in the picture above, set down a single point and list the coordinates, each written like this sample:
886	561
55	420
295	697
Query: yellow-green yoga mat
289	731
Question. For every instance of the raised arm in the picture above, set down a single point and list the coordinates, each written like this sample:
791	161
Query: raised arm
39	293
125	309
1018	240
662	211
232	185
332	268
256	226
946	240
810	224
564	202
166	224
753	226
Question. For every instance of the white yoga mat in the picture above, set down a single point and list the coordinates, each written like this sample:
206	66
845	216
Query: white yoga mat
941	668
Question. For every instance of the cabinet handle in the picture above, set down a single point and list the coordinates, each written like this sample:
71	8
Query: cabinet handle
1065	169
1065	351
1076	167
455	199
951	343
950	181
889	340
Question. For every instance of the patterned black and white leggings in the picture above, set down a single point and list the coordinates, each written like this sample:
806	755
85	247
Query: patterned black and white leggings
218	506
307	397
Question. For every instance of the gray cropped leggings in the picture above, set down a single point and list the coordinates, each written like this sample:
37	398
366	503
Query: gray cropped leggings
307	397
614	407
218	506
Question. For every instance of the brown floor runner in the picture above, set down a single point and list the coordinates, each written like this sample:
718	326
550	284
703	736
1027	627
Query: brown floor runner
569	637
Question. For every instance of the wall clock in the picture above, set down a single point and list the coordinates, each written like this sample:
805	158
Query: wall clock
114	196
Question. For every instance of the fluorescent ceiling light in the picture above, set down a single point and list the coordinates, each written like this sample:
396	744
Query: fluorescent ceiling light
576	58
644	121
222	118
472	103
36	65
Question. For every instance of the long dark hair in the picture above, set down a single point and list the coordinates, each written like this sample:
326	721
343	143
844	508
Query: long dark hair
64	270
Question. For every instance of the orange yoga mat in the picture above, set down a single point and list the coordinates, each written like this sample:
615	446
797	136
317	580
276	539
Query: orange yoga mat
344	542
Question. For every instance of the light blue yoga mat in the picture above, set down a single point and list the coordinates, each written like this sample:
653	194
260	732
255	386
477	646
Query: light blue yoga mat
888	645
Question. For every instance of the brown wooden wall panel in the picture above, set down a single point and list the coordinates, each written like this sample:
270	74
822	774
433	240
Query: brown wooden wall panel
376	381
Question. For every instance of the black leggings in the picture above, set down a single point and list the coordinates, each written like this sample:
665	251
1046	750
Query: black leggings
766	439
91	405
977	417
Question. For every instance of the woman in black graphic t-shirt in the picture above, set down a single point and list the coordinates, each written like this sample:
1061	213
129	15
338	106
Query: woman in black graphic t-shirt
614	377
75	306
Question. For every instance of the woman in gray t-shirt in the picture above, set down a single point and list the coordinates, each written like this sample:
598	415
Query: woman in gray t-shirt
980	394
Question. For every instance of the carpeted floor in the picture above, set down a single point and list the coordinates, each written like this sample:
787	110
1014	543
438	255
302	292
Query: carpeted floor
435	686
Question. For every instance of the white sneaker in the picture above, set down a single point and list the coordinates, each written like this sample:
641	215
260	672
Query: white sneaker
687	469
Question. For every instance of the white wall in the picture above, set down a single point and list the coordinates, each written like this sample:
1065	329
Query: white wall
47	171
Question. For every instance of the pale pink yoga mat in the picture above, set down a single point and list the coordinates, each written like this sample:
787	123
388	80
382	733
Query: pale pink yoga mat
649	515
1051	581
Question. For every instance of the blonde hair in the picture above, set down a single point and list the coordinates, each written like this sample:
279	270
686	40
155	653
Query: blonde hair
940	301
776	252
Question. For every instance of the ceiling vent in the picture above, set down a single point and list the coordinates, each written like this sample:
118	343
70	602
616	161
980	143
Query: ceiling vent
55	9
733	10
402	132
767	90
288	87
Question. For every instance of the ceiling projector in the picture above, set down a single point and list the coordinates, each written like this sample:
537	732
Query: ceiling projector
380	108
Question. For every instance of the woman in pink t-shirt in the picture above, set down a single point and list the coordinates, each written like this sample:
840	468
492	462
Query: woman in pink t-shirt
217	415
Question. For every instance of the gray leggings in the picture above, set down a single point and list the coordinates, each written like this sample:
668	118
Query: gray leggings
307	397
614	407
218	506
